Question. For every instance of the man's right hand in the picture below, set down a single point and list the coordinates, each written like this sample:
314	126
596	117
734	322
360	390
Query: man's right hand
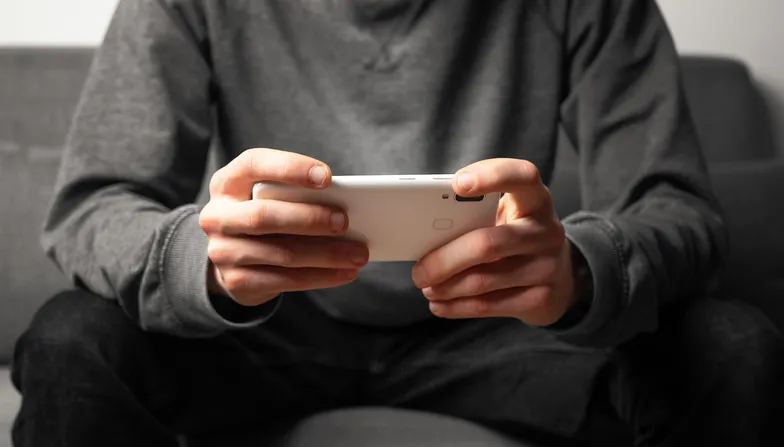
261	248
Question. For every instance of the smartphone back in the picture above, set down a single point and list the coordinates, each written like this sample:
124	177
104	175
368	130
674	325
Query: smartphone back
400	218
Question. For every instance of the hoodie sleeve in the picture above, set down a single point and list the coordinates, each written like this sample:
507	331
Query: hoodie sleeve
123	223
650	230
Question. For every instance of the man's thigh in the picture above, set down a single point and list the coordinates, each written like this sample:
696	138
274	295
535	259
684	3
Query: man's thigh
297	363
79	344
498	372
713	368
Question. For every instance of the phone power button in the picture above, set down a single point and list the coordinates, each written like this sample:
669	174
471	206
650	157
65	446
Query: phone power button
442	224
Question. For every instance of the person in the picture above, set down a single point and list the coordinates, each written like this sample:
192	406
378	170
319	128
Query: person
243	314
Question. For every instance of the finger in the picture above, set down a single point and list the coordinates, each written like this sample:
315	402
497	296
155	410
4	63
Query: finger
520	271
245	284
237	178
486	245
519	178
287	251
527	304
259	217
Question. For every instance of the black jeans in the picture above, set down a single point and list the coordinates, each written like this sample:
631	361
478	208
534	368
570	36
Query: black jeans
89	376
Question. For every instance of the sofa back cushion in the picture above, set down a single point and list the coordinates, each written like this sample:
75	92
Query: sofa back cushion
39	89
732	118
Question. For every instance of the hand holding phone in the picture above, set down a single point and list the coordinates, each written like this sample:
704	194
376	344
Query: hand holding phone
399	217
261	248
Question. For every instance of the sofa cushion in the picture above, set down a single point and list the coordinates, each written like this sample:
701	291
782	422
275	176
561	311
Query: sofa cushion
379	427
39	90
732	118
751	195
9	405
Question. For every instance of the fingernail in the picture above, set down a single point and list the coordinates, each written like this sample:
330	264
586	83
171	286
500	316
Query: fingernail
318	175
427	292
358	257
337	221
420	276
466	181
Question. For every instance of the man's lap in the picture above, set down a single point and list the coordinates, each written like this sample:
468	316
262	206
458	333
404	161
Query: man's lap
497	372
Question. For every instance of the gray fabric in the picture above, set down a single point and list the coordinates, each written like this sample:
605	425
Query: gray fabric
751	195
345	428
39	89
123	223
732	119
9	402
392	428
379	427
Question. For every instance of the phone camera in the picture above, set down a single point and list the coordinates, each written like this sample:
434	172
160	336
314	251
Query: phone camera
444	196
460	198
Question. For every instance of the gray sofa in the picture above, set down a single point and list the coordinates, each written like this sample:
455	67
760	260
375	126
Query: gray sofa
39	89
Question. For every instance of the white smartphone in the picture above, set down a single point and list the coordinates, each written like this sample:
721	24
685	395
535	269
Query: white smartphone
399	217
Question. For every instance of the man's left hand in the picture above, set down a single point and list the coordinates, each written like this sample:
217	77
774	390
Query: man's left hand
520	268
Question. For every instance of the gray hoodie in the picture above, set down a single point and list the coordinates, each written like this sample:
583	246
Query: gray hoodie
383	86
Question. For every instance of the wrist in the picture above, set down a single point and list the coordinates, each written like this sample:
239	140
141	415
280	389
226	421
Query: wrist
581	290
582	278
214	280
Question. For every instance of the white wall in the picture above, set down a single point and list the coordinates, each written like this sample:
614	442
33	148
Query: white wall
54	22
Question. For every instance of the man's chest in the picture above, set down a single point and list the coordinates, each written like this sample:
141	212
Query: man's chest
461	82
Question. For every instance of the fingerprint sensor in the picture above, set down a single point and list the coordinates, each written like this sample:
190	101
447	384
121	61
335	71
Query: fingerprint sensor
442	224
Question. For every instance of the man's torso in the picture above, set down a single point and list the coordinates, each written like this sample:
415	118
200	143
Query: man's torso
386	87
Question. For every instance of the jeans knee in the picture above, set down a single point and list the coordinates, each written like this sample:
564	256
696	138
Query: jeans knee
737	340
69	328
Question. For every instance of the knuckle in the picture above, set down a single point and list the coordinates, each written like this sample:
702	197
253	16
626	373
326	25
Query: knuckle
319	218
283	255
236	282
486	244
538	300
247	158
299	276
238	258
285	171
497	172
478	307
207	220
260	216
558	233
548	270
217	181
336	253
478	283
248	161
530	171
217	252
